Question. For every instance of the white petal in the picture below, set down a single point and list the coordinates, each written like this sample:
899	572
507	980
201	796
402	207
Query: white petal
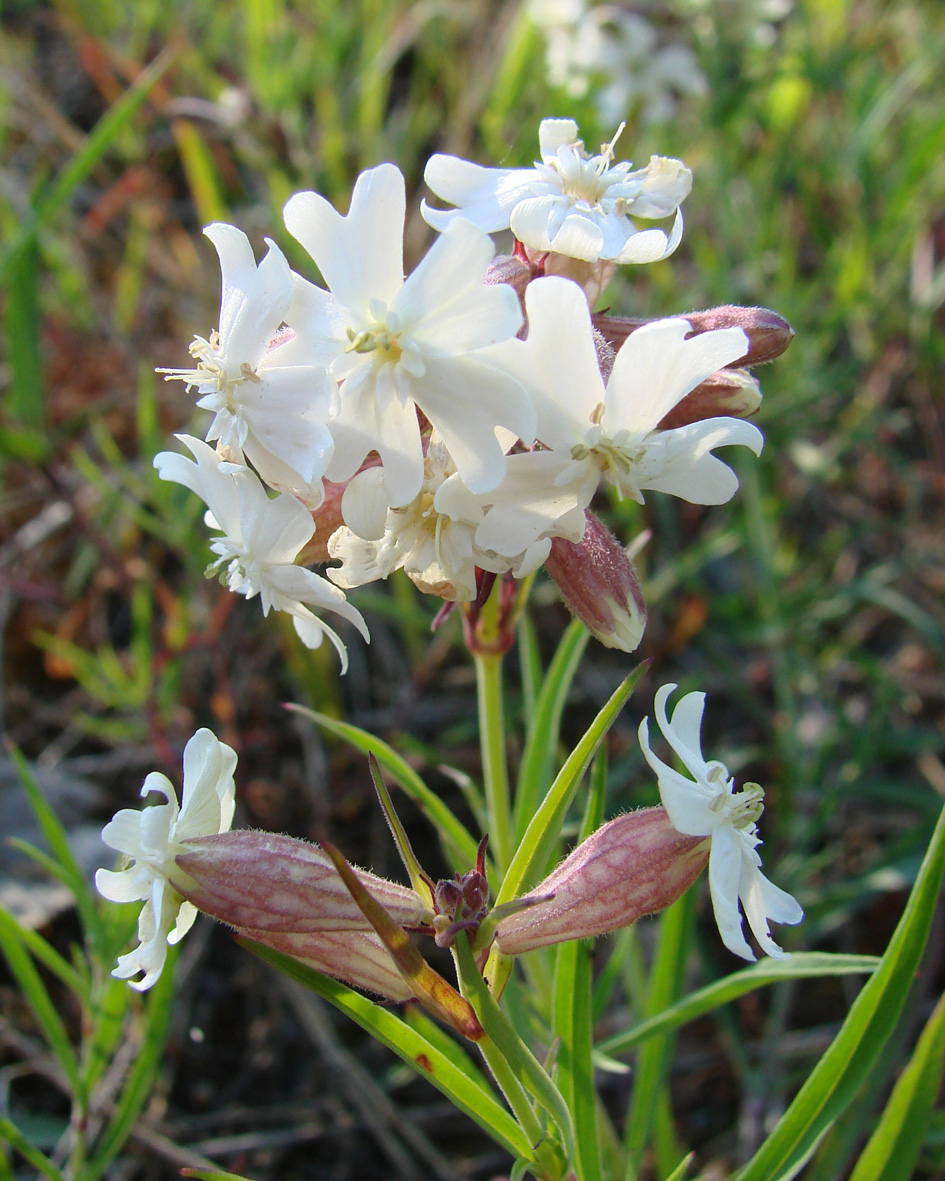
185	920
657	366
446	305
534	219
122	886
680	462
754	898
686	803
360	256
294	585
554	134
725	877
279	527
254	299
485	196
464	398
364	424
580	235
364	504
557	364
208	787
215	487
286	413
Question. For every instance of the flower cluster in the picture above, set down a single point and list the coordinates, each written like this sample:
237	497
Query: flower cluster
291	896
459	419
617	57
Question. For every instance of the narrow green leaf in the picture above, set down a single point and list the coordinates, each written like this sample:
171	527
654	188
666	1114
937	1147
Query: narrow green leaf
26	397
572	1024
425	1058
803	965
529	662
200	170
893	1149
417	1019
212	1175
653	1059
48	956
139	1082
679	1173
526	1068
55	835
543	832
68	179
15	1138
847	1062
535	770
22	967
460	845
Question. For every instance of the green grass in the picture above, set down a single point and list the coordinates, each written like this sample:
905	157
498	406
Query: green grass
810	609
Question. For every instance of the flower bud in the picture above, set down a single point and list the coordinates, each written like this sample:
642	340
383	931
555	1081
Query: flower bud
356	957
635	865
768	333
328	517
591	277
599	585
258	881
729	393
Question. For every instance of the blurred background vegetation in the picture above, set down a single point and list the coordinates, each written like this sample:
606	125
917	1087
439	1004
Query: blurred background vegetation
810	609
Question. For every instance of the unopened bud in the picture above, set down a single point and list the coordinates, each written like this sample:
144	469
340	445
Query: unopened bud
509	268
356	957
768	333
635	865
729	393
599	585
264	882
591	277
328	517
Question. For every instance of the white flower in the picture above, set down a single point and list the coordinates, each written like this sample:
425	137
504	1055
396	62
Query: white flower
707	805
569	203
152	838
270	398
614	429
398	345
262	537
447	531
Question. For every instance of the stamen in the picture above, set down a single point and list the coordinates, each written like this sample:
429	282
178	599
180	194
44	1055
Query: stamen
607	150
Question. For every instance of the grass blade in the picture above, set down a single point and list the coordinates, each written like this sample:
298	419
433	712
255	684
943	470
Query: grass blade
842	1069
140	1079
15	1138
539	840
535	770
411	1046
39	1000
102	136
460	844
893	1149
58	843
803	966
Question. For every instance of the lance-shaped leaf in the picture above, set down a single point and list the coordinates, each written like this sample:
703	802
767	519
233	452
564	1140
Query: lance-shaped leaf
419	879
434	993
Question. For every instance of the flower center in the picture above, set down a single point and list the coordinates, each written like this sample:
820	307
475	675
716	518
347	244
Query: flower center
211	371
742	810
378	338
584	178
616	456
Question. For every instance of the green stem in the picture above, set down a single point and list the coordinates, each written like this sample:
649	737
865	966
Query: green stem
514	1065
492	740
